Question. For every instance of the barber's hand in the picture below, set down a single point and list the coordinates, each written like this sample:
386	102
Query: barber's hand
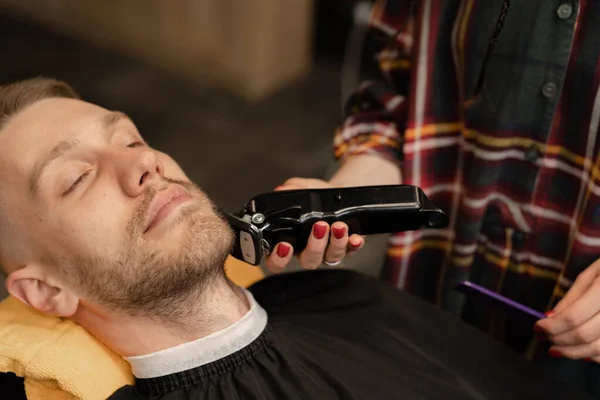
573	326
326	243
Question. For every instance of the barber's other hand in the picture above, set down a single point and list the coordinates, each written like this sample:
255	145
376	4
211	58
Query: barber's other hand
326	243
573	326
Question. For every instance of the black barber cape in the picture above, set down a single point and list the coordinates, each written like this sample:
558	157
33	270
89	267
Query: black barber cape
334	334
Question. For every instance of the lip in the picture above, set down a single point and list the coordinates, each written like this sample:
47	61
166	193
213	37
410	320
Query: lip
164	203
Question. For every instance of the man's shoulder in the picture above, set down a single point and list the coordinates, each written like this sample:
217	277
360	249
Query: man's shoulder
320	290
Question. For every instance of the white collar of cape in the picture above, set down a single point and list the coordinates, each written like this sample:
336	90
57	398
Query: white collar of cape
205	350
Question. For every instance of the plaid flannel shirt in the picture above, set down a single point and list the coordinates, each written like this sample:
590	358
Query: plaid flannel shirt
517	172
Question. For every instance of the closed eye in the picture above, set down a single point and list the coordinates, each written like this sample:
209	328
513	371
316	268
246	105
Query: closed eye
135	144
76	184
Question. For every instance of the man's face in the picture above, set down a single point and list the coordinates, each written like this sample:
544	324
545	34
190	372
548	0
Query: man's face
118	222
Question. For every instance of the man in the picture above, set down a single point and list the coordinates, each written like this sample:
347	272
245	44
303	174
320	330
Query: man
98	227
492	108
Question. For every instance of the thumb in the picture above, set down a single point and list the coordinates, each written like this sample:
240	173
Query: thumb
286	186
304	183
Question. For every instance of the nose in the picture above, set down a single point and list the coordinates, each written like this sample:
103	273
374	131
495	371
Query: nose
143	169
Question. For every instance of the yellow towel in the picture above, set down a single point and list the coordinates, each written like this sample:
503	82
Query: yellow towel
61	360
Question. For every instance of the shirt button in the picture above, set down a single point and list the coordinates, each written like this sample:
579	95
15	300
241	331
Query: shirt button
564	11
518	238
533	153
549	89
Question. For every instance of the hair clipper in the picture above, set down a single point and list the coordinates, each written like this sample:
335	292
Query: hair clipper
289	215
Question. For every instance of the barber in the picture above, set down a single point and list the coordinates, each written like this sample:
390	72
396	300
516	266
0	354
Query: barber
498	124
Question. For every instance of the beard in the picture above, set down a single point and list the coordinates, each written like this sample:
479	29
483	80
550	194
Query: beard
148	280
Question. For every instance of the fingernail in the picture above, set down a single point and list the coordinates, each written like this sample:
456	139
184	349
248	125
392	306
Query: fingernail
554	353
537	329
588	359
279	187
319	231
354	244
283	250
550	313
339	233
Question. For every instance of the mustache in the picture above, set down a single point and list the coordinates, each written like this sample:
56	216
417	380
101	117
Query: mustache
135	225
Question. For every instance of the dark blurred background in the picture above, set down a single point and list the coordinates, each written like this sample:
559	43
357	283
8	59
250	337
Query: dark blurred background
233	137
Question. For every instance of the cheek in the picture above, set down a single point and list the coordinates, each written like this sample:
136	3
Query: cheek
96	224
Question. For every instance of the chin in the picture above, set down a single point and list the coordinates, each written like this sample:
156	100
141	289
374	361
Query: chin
200	233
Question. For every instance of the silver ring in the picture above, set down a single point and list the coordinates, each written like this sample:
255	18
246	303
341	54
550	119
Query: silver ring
332	264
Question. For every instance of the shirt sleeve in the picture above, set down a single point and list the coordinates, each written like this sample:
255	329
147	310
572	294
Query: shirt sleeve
375	113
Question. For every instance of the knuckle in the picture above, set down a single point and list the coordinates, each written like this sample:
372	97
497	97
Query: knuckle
339	256
317	246
274	266
310	261
559	341
584	335
585	275
310	265
336	253
317	250
314	253
572	320
277	262
338	246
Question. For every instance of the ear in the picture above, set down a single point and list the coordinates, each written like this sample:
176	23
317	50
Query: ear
34	288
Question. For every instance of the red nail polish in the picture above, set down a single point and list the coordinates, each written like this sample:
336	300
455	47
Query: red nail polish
319	231
554	353
283	250
355	245
339	233
536	328
588	359
550	313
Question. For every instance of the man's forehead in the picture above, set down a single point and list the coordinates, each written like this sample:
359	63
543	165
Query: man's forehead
38	128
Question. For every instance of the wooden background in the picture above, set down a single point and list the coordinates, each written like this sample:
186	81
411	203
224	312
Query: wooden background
249	47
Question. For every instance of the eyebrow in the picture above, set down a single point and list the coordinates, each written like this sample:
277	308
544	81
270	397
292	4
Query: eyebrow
113	118
107	122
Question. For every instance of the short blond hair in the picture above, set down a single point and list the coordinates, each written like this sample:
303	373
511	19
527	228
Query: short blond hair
16	96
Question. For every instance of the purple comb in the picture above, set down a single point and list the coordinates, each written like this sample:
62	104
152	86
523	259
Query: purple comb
509	306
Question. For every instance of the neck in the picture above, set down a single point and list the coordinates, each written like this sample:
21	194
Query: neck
220	305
